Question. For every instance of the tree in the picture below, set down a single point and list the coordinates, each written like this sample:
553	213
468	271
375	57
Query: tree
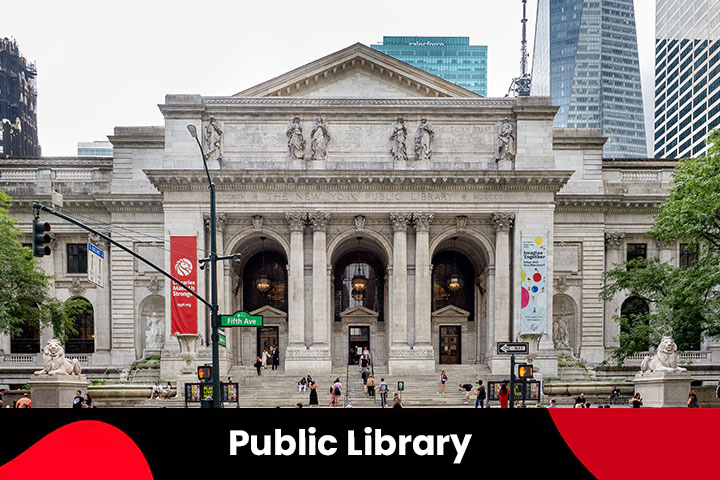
685	302
24	286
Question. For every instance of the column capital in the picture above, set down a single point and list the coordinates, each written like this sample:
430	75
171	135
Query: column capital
422	221
221	221
614	239
400	221
296	220
503	221
319	220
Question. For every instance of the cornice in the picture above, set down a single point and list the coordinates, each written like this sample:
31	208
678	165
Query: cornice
105	203
608	203
244	180
57	162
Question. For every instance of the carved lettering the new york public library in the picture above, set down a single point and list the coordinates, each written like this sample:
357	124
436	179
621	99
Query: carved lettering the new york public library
292	197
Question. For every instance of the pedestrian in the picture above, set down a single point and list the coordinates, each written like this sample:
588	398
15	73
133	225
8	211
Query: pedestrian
79	400
371	386
168	389
88	401
265	356
383	393
481	395
553	403
366	354
336	393
276	358
468	388
579	400
503	395
443	381
364	376
693	400
313	402
258	364
302	385
358	352
298	405
614	394
397	402
364	363
636	401
24	402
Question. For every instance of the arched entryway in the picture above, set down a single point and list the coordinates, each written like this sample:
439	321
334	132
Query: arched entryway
82	314
633	312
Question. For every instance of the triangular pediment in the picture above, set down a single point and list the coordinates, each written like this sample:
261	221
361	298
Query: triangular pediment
268	311
357	71
359	311
451	311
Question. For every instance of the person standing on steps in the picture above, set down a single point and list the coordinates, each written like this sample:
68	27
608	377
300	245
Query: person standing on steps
481	395
276	357
371	386
336	393
258	364
313	402
443	381
265	356
383	393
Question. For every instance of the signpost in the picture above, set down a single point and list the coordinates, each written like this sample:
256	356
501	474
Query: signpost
221	341
512	348
96	258
241	319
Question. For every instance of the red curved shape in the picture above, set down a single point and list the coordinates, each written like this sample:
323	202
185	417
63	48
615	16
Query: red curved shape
642	443
86	449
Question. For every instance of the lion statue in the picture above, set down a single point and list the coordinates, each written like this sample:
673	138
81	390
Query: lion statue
664	360
54	361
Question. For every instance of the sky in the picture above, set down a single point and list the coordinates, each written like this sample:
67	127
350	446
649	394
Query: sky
103	64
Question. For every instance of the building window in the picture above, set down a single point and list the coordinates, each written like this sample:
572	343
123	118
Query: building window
359	281
83	341
688	255
453	282
26	341
636	250
265	282
76	258
634	310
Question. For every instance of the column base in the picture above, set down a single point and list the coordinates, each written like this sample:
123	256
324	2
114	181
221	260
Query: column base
301	360
417	360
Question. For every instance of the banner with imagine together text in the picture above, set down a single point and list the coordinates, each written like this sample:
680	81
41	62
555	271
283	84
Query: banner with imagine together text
533	307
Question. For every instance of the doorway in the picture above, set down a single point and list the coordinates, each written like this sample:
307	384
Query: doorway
357	337
450	345
267	337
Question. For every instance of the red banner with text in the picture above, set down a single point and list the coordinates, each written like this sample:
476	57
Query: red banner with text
183	306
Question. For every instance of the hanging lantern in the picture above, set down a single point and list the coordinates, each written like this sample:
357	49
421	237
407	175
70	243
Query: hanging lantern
358	295
263	283
454	284
359	282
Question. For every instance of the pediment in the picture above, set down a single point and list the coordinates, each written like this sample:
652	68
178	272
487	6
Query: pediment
357	71
451	311
268	311
359	311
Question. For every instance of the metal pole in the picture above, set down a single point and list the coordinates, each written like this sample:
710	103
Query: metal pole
215	320
511	398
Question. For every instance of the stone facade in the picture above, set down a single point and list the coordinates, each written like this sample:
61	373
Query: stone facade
398	216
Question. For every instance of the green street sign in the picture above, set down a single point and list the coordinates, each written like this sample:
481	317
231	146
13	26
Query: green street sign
221	340
241	319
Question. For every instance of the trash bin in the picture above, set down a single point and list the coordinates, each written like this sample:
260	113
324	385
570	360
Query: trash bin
206	403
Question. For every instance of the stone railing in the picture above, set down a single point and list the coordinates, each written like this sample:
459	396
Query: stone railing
19	174
83	359
634	176
20	358
74	174
685	358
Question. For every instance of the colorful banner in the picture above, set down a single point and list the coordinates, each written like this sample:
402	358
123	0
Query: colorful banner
183	306
533	307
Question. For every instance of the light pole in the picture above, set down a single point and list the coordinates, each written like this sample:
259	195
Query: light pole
215	318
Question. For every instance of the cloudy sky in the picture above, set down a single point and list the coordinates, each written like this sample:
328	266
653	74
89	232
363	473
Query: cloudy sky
103	64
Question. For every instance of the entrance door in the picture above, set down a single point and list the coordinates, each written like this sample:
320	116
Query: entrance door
450	345
357	337
266	338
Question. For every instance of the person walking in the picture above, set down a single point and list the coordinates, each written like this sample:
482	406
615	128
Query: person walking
636	401
443	381
371	386
265	356
313	402
276	357
383	393
481	395
258	364
693	400
336	393
503	395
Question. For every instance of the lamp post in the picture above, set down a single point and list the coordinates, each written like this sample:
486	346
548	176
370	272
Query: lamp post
215	318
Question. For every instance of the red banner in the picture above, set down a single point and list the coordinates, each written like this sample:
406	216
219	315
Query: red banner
183	266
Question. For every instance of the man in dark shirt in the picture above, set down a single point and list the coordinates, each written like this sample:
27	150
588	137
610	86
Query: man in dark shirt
468	388
276	357
481	395
579	400
78	400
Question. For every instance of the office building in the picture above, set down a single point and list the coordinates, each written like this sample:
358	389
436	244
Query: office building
450	58
95	149
586	58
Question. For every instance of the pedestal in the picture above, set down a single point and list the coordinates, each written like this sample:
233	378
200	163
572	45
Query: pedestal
182	379
303	361
404	360
56	391
663	389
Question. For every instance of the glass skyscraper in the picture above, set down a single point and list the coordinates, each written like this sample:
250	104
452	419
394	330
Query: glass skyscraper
687	76
450	58
586	58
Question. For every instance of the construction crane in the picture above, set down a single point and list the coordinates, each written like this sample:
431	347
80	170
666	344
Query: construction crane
520	86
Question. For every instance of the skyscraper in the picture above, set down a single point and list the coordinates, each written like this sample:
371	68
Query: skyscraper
18	103
450	58
687	76
586	58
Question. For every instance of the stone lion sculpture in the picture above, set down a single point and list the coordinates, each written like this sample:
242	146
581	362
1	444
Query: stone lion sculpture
664	360
54	361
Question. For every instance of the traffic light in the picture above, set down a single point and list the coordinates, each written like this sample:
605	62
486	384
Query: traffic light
525	370
40	238
205	373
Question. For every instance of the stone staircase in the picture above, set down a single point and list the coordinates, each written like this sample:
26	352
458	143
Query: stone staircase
571	370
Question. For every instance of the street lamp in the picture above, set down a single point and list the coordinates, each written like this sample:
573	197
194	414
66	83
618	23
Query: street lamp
215	318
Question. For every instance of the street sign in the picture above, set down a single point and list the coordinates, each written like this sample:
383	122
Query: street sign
241	319
525	370
513	348
96	258
221	337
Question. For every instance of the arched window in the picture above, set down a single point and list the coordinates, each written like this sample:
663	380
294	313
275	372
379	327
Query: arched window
453	282
359	280
265	282
27	341
83	341
634	309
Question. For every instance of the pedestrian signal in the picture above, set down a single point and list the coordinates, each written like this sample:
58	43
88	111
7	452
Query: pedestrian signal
525	371
204	373
40	238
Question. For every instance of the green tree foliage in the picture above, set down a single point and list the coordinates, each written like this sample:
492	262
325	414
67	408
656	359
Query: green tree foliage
24	287
685	302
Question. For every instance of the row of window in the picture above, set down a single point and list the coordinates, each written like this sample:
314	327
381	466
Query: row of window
688	254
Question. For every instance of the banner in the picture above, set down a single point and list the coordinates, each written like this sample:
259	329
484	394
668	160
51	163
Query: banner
533	306
183	306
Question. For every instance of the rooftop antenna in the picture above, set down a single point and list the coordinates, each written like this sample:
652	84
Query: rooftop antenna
520	86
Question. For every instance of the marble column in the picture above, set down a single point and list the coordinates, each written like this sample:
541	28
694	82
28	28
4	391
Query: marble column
296	282
321	320
503	223
614	242
423	282
399	282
